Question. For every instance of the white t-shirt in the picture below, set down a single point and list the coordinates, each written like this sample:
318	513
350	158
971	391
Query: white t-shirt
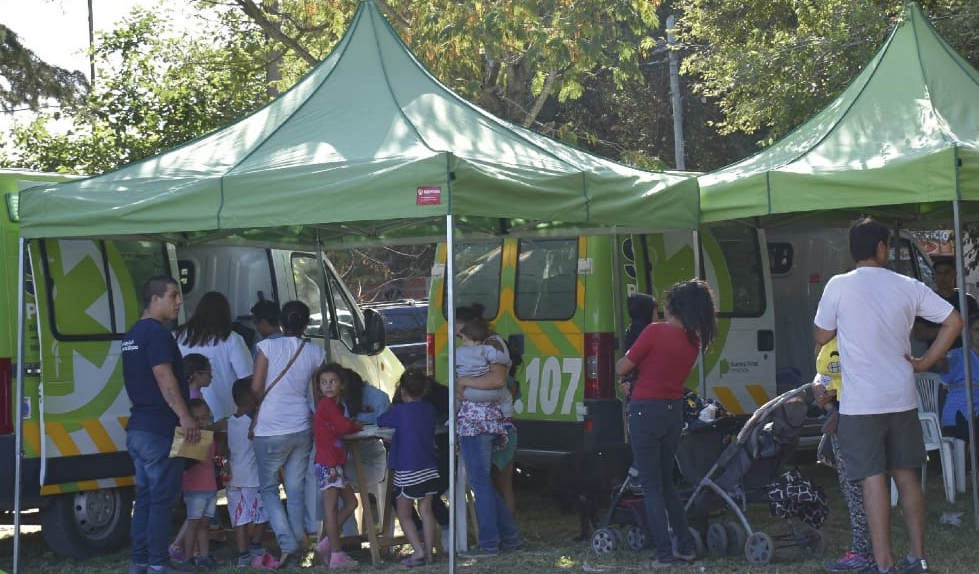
230	361
872	310
244	469
285	409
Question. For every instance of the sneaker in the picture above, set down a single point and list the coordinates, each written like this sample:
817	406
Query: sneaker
849	561
512	547
479	552
173	568
909	566
177	553
138	568
341	560
244	560
256	550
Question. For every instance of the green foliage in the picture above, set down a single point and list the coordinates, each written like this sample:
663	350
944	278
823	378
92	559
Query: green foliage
26	80
157	88
772	64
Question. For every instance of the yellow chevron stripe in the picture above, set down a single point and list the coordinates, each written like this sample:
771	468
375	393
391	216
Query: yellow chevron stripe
726	397
126	481
103	442
49	489
758	393
32	436
61	439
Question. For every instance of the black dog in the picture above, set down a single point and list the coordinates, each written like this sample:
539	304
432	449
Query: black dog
584	481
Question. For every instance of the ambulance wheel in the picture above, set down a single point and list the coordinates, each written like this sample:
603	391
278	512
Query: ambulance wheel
736	537
817	543
716	539
83	524
635	537
759	548
603	541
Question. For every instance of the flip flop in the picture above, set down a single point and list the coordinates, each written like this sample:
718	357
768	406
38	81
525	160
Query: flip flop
413	562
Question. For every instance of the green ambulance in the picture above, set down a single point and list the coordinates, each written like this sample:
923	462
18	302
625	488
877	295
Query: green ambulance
563	302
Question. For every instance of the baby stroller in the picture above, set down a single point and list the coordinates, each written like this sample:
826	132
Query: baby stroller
747	470
627	507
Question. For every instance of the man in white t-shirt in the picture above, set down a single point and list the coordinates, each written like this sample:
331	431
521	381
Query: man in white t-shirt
872	310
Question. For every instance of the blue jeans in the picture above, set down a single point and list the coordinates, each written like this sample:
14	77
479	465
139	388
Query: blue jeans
158	482
655	428
290	453
492	514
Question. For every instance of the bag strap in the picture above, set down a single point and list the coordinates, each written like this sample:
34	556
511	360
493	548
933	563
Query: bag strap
285	370
251	427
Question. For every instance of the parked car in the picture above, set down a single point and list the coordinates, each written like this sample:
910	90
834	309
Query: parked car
405	324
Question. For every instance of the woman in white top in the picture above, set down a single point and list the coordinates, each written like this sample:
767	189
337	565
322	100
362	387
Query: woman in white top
208	332
283	430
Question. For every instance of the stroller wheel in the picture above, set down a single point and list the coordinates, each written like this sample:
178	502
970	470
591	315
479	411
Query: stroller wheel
698	541
716	539
736	537
635	537
817	542
603	541
759	548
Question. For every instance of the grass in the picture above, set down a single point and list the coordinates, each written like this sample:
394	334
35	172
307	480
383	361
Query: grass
548	532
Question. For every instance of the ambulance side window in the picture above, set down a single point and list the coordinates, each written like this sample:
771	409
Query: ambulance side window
742	255
307	275
94	287
477	268
547	279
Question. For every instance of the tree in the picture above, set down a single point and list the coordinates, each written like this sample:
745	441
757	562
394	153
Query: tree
772	64
157	89
508	56
26	80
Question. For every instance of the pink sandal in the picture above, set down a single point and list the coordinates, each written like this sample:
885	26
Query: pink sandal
264	561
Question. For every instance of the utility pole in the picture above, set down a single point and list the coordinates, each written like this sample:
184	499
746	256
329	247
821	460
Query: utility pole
91	44
675	98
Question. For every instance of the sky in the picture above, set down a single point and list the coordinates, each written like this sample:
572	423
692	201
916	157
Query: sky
57	30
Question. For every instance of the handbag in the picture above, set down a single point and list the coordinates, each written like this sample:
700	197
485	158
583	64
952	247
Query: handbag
251	427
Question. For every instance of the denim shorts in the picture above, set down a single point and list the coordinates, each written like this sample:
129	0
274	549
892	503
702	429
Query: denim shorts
201	503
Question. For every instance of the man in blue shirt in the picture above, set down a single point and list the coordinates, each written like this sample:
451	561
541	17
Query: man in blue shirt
158	392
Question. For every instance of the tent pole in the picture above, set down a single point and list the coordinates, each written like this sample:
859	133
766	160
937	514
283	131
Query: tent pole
19	404
451	377
964	311
702	383
325	310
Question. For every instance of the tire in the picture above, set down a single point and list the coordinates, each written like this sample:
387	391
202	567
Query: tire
83	524
736	537
636	538
759	548
603	541
817	543
716	540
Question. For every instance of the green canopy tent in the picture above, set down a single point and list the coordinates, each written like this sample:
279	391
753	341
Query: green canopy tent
901	143
367	147
368	144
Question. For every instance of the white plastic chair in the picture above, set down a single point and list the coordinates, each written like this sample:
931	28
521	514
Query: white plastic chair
931	430
928	385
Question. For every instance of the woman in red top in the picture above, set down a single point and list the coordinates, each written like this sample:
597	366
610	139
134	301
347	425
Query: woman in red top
664	354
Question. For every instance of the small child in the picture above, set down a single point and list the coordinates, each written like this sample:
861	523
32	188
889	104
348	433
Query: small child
473	359
829	375
412	457
329	425
200	496
244	499
197	370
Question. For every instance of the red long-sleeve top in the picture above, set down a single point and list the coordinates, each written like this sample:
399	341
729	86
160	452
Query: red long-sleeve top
329	425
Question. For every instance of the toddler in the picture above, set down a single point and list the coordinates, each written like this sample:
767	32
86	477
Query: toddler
473	359
412	457
244	498
200	496
329	425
